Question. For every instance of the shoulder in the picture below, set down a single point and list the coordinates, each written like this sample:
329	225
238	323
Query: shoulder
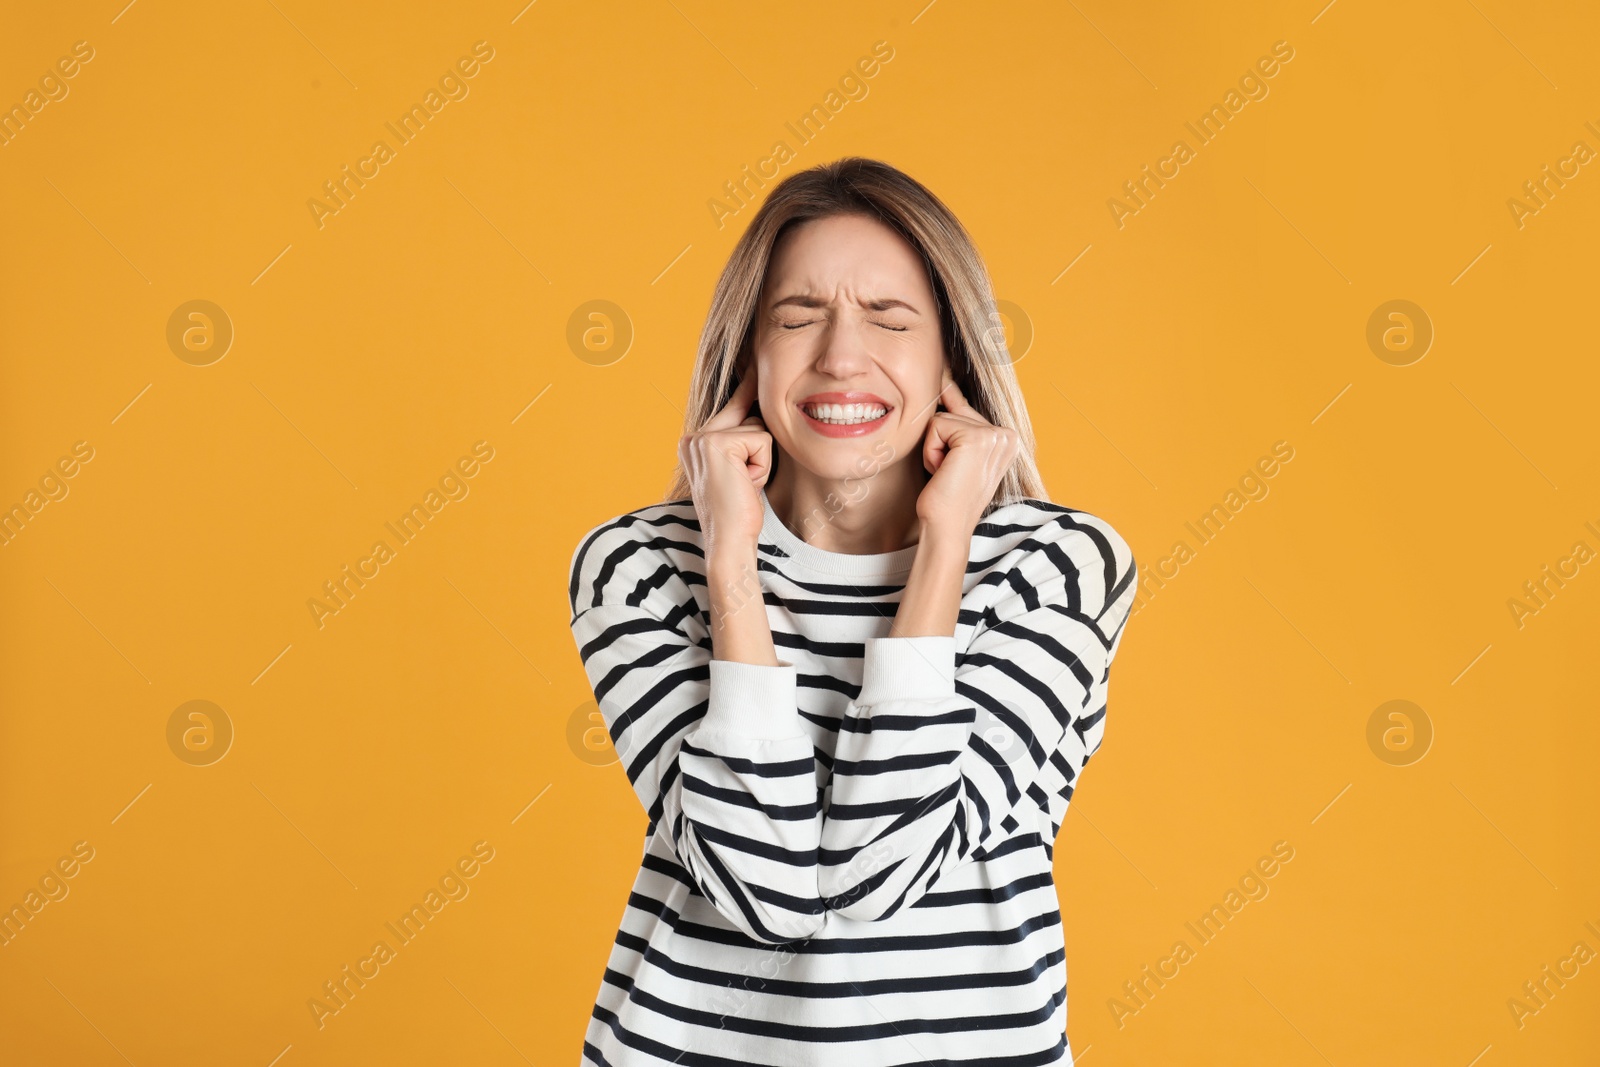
1031	524
1029	544
634	543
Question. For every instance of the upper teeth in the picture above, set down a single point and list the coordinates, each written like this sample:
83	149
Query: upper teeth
846	413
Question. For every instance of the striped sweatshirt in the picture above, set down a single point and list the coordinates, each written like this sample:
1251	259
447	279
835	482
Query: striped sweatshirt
849	854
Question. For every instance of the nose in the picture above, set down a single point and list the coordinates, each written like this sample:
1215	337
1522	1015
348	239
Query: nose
844	355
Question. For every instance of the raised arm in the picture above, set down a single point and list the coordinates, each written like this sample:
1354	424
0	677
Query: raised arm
937	749
714	748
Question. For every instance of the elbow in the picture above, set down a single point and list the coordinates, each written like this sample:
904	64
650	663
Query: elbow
782	927
864	909
771	916
871	902
860	890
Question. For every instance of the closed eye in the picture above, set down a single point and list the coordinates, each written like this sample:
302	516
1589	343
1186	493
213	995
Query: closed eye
885	325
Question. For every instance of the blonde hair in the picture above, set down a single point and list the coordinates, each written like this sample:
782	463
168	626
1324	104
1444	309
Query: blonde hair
974	338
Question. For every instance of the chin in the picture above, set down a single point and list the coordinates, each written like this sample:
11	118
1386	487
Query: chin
837	460
834	468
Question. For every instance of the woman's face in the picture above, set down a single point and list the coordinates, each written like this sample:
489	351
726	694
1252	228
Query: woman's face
846	320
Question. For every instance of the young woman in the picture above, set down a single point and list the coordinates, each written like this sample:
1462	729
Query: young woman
853	665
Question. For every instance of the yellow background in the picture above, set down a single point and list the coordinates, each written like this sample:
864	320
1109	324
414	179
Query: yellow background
433	710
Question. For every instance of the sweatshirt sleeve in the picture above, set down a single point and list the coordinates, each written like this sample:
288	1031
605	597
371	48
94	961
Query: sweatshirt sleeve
936	750
715	749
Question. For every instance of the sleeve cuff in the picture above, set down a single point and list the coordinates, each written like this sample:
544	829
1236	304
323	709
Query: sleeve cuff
907	668
753	701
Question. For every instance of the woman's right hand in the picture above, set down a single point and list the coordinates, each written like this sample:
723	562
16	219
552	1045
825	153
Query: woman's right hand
727	462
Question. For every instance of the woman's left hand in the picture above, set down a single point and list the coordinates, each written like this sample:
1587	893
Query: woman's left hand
968	457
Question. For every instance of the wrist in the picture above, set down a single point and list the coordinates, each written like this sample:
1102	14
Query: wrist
945	541
732	579
730	557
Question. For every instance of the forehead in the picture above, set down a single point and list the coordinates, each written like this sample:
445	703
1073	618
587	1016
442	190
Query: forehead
847	256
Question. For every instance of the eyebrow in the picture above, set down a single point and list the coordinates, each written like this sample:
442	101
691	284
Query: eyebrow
881	304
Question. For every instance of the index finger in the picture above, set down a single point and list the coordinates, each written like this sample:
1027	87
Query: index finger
956	403
738	406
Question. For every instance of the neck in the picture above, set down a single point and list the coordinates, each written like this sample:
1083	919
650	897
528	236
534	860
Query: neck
864	515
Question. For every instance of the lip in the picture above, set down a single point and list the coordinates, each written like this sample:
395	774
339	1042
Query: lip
856	430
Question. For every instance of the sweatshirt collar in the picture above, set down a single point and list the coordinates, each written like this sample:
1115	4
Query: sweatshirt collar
842	564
